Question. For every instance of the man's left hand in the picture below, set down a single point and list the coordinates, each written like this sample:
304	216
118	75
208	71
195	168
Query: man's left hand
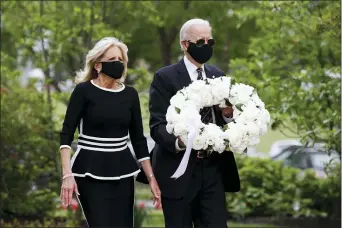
228	111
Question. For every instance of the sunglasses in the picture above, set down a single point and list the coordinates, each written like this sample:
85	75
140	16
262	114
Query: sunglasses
201	42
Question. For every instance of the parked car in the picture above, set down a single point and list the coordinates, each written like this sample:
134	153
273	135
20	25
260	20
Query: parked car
280	145
303	157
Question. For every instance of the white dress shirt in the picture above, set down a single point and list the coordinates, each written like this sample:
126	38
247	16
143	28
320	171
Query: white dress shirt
192	70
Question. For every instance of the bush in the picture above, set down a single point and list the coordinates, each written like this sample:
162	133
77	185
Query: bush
29	150
140	214
322	196
270	189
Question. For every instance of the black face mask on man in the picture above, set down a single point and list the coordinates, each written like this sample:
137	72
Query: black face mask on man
200	54
113	69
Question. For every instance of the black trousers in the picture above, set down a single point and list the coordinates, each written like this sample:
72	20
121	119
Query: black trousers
204	203
107	203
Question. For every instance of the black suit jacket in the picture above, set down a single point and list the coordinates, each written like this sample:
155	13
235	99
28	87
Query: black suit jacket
165	160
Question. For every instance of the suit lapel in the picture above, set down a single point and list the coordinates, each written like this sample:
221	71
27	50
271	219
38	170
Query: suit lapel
208	72
183	75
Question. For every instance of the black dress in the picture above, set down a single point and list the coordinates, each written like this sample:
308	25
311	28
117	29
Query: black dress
103	165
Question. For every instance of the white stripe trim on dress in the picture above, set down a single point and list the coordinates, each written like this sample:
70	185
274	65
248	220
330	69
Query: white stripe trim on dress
106	178
79	201
81	127
106	89
103	139
74	156
143	159
103	150
102	144
65	146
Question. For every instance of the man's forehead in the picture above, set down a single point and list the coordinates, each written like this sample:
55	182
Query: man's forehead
200	31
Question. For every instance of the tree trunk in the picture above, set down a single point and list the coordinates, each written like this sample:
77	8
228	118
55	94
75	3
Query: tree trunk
48	87
168	37
90	35
166	41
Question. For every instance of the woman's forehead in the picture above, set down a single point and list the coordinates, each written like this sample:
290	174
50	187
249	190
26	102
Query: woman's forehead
112	52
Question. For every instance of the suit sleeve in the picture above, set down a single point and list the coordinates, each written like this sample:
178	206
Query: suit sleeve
136	131
160	96
72	117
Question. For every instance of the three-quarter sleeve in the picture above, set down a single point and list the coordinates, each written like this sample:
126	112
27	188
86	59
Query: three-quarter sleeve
72	117
136	130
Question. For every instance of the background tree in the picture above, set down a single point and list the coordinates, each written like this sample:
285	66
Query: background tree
29	179
294	61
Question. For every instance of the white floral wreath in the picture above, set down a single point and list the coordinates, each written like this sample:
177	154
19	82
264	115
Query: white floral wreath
250	118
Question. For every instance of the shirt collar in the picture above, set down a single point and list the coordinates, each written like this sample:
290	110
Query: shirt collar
192	68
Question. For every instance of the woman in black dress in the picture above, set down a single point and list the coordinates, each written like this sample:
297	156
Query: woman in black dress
107	113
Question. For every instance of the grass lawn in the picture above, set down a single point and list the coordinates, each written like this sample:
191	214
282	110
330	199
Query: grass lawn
155	219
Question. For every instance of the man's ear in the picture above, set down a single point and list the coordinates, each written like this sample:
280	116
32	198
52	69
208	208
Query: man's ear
185	45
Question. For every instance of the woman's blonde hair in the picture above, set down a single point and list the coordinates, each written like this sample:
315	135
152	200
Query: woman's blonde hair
95	54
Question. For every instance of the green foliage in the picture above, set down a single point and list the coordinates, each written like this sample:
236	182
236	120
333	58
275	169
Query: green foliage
69	29
140	214
291	62
29	170
267	188
160	22
321	195
270	189
36	223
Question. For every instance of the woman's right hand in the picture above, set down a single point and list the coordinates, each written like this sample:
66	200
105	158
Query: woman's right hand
68	187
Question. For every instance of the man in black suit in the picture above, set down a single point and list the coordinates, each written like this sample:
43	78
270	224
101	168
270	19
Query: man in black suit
198	196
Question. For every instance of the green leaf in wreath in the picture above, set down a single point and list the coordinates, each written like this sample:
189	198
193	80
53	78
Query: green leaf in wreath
225	127
232	81
177	110
228	102
238	106
227	148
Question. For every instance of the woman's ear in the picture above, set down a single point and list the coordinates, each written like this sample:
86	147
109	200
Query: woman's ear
98	67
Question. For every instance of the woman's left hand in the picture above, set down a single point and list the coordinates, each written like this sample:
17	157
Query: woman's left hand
156	193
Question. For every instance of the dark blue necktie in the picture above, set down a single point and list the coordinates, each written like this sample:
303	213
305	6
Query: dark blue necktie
205	112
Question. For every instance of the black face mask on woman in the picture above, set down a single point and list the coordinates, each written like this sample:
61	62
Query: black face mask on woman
113	69
200	54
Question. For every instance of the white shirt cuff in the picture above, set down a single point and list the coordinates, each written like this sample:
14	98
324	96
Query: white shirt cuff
65	146
143	159
228	120
177	147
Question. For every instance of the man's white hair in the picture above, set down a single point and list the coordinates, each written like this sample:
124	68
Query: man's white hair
184	31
